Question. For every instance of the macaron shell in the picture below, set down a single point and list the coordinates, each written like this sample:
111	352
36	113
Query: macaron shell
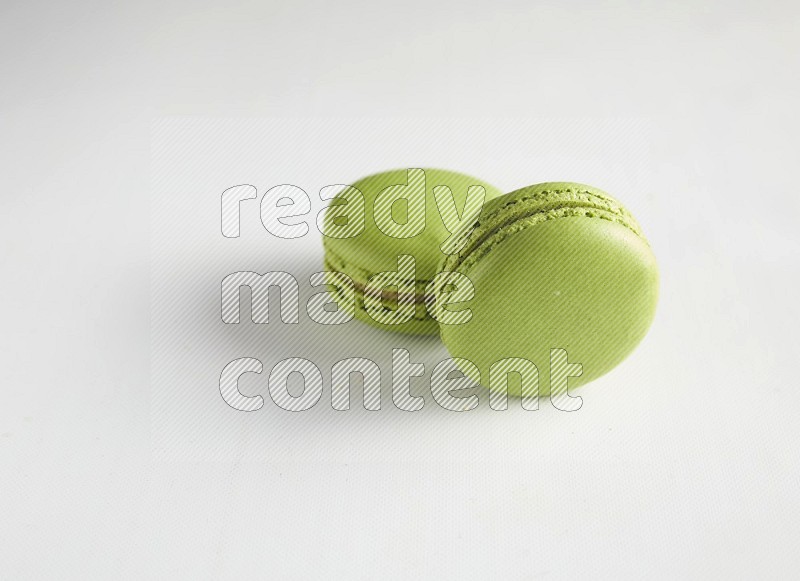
587	285
374	251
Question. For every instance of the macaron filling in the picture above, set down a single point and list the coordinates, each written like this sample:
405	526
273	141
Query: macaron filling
360	276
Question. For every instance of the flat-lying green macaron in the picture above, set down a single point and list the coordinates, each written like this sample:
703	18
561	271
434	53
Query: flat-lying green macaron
554	266
409	212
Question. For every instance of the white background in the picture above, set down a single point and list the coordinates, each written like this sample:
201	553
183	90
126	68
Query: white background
682	462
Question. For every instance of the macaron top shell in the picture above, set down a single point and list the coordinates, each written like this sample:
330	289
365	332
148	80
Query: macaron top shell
374	251
554	266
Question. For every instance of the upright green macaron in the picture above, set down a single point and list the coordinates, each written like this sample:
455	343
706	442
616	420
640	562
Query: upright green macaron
554	266
386	215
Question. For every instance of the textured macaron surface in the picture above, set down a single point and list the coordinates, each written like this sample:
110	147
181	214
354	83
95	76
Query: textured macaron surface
554	266
373	250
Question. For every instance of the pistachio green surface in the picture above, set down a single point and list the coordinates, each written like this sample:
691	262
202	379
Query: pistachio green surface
555	265
373	251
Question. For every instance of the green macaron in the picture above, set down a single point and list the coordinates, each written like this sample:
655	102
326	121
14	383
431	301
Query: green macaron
555	266
405	212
